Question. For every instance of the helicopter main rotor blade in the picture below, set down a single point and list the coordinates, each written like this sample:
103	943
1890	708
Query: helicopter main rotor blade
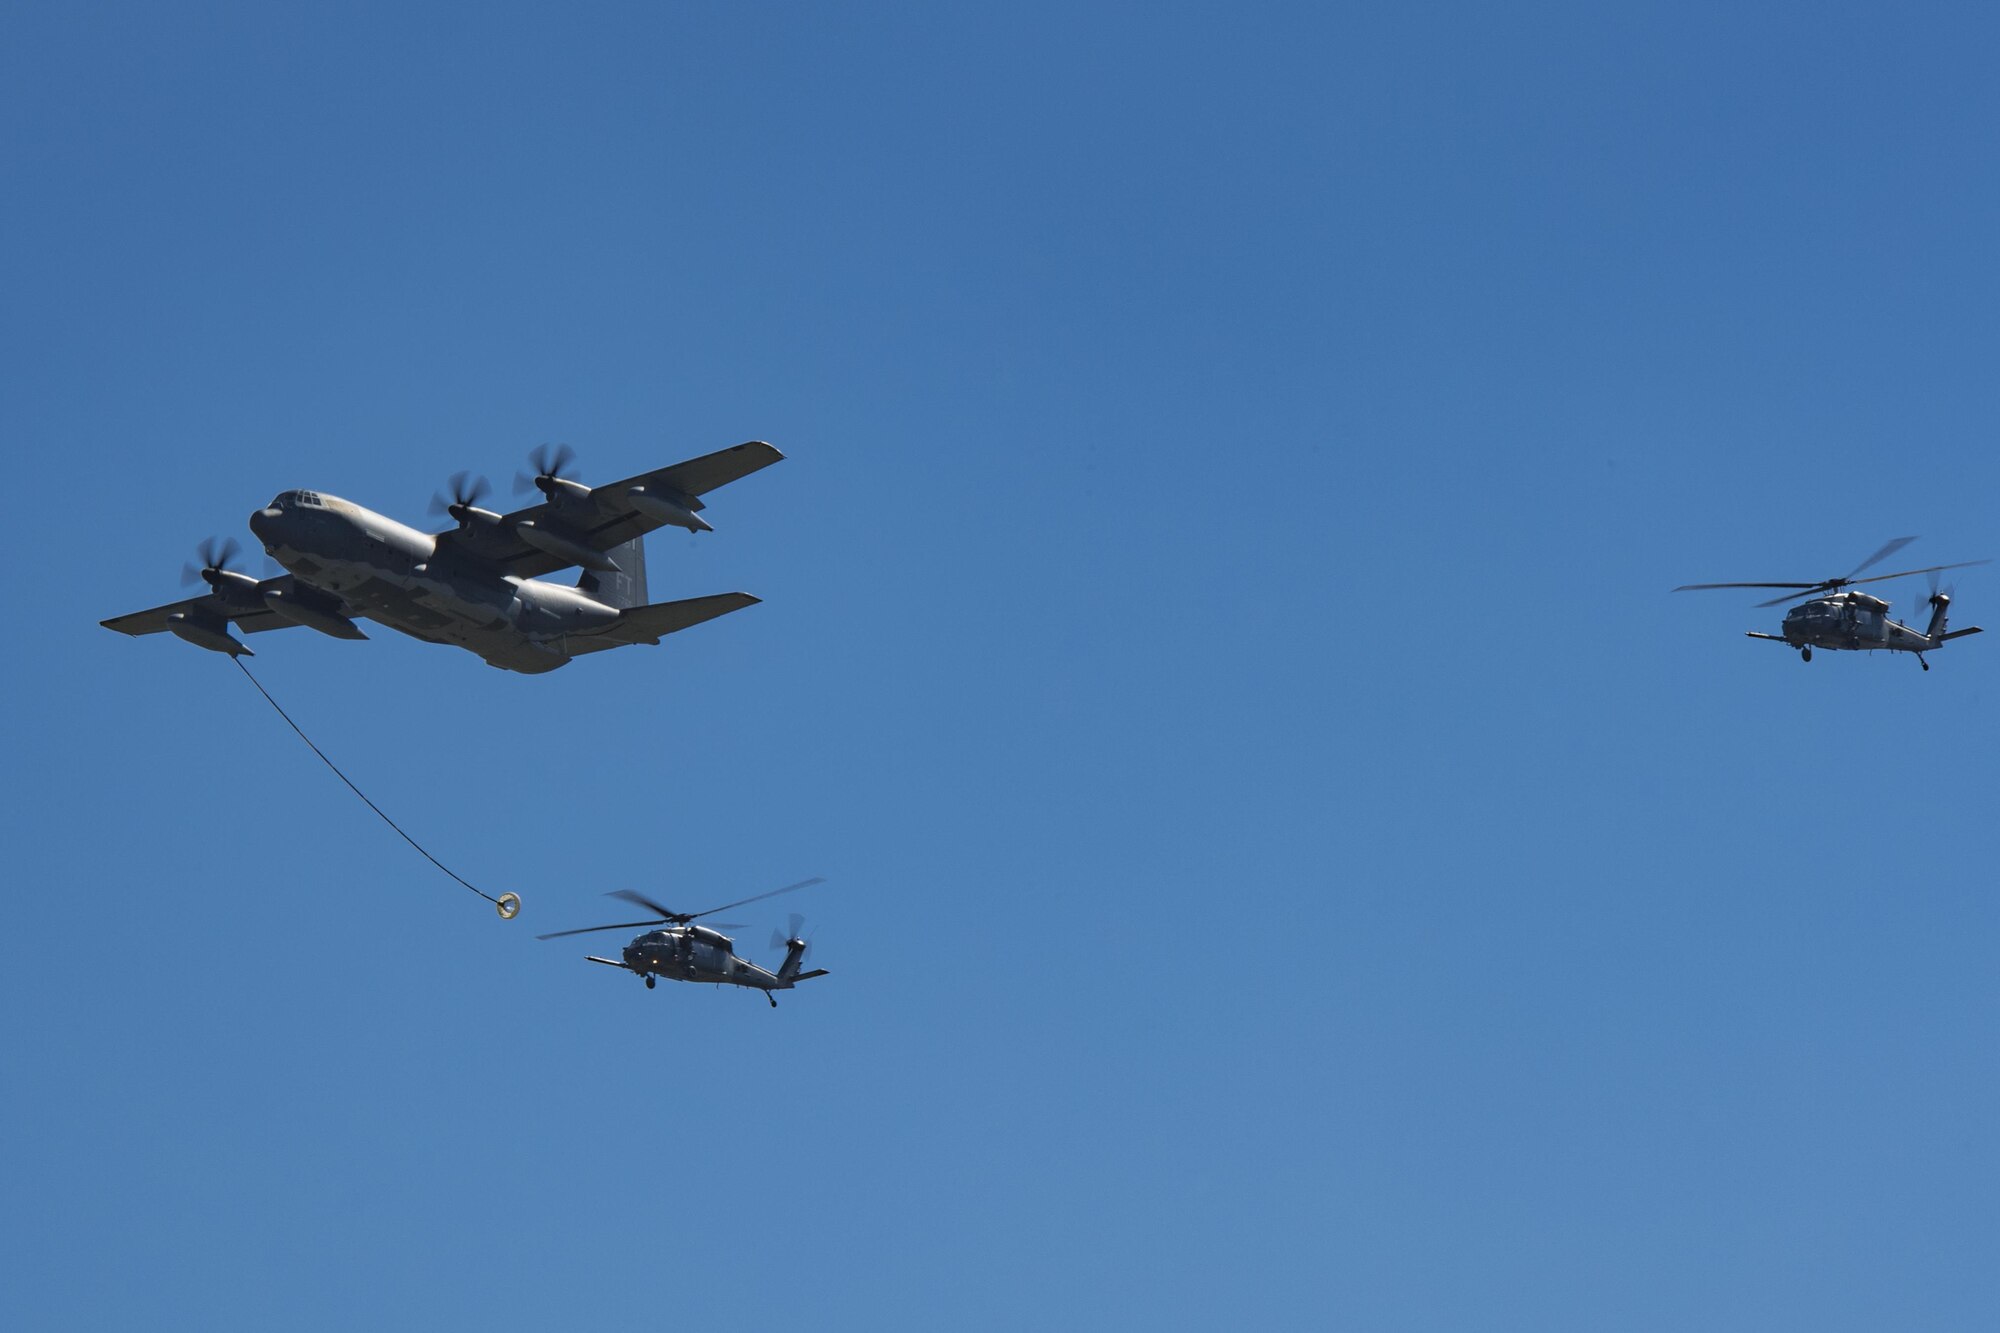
1927	569
1872	578
1698	587
760	897
1894	545
641	900
1813	591
585	930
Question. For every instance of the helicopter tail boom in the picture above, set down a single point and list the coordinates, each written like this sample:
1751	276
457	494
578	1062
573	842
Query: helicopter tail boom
1937	634
795	952
1940	605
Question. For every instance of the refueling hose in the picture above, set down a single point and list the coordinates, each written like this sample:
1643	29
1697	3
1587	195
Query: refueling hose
507	904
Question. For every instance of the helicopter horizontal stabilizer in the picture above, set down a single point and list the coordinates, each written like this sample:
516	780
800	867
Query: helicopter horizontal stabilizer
1957	633
608	962
808	976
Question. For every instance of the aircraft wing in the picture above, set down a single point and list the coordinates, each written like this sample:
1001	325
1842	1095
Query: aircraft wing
607	518
244	608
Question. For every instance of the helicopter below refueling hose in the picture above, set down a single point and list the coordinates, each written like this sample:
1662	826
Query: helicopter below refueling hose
684	951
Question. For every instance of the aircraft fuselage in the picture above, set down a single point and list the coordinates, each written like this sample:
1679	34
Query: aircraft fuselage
396	576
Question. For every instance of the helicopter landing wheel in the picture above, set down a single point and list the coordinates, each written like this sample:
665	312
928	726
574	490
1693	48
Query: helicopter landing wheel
1925	665
649	983
1805	654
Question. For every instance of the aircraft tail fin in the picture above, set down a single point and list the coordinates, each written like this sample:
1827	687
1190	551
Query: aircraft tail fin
624	589
796	950
1940	604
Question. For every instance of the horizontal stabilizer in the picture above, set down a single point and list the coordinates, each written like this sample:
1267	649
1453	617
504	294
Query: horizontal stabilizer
808	976
1960	633
649	624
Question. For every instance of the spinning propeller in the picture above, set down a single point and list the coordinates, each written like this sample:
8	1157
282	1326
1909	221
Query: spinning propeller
1806	590
783	940
216	555
466	493
549	468
671	917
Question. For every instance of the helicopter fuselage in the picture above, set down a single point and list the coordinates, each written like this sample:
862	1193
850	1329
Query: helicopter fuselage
696	953
1855	621
1858	622
1852	620
679	950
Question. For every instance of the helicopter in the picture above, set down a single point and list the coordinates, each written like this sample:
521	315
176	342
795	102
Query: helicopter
1836	619
687	952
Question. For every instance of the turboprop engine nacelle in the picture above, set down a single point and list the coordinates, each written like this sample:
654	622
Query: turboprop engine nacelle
215	640
563	549
289	607
668	510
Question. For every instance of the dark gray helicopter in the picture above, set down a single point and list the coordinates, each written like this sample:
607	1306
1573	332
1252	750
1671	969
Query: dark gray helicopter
1856	620
687	952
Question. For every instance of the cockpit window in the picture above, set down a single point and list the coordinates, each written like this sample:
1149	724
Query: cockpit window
303	499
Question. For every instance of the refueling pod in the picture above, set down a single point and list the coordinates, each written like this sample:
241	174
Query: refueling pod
672	510
300	611
215	639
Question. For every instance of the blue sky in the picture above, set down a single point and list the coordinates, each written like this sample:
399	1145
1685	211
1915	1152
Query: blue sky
1289	858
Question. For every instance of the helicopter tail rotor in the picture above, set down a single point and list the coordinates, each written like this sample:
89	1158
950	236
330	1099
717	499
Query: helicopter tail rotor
793	937
797	950
1940	604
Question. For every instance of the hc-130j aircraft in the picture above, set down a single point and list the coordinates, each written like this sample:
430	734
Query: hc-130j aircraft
474	585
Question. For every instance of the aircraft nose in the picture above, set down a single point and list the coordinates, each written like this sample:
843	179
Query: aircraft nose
265	524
